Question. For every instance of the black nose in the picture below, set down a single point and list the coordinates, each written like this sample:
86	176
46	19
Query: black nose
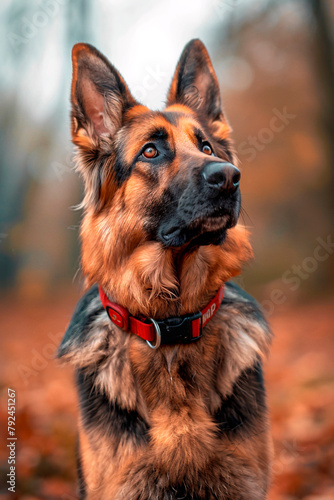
222	176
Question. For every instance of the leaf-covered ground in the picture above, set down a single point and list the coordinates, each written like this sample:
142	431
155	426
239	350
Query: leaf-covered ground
300	381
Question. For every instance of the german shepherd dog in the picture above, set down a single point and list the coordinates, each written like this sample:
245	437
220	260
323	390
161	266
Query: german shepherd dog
167	352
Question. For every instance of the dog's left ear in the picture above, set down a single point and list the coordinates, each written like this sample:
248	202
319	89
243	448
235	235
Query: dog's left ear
195	82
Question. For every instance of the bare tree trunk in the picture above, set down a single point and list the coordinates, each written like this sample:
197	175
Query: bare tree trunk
324	67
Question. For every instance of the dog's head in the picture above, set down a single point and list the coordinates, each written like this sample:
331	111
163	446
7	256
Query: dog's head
158	184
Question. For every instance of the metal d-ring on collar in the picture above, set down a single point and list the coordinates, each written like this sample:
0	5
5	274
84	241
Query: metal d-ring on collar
158	339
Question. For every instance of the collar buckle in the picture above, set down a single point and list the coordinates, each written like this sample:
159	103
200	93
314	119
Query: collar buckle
182	330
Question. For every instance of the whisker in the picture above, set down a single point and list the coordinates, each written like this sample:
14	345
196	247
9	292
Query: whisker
243	215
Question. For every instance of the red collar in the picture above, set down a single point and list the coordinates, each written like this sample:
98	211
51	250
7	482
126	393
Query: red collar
182	329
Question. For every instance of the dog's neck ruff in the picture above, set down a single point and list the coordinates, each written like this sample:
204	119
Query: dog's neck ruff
175	330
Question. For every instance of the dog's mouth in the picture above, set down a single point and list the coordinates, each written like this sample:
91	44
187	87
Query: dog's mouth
171	233
208	229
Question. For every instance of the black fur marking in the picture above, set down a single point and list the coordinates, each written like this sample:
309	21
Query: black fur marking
79	328
121	169
244	409
109	418
245	303
81	479
241	295
186	374
199	136
98	176
156	133
121	172
158	209
173	117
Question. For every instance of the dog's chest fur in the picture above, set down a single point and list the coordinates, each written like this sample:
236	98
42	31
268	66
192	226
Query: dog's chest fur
185	421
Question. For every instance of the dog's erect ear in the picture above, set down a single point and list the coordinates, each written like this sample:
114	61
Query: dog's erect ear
195	83
99	96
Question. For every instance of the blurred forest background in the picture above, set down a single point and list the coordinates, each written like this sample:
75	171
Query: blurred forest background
274	60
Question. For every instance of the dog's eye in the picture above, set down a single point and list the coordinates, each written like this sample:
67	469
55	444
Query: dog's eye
150	151
206	148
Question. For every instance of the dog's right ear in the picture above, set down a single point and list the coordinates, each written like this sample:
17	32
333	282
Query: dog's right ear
99	96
